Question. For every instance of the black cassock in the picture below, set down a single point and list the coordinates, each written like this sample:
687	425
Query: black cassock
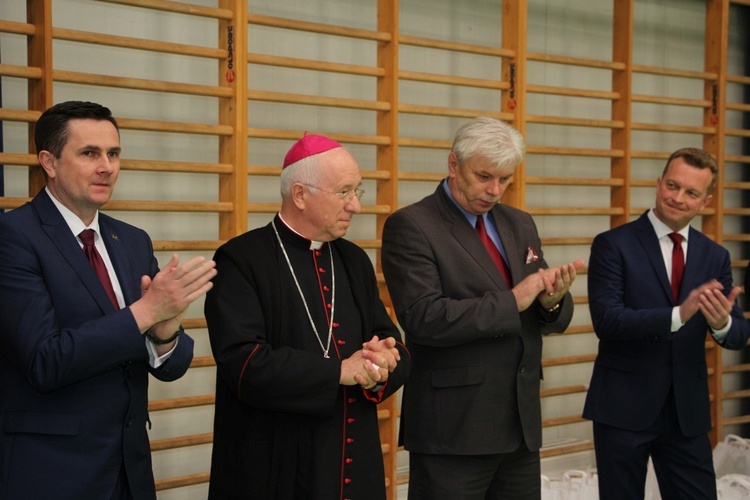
284	428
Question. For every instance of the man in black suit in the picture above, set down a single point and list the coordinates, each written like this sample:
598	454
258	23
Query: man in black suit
76	348
471	416
656	288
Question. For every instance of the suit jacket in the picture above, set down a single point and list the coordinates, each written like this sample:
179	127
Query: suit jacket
476	362
639	359
73	371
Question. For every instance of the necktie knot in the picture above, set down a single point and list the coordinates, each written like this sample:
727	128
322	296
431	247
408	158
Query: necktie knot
87	237
676	238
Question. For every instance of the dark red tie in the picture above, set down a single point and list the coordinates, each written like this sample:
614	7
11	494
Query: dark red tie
494	252
87	237
678	265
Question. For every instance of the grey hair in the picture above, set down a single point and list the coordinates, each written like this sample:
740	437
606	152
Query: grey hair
304	171
492	139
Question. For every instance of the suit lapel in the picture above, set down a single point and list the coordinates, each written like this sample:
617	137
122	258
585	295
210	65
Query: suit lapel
650	243
54	225
119	257
466	236
509	243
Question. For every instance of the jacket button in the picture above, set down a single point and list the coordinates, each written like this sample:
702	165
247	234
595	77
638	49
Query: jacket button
522	370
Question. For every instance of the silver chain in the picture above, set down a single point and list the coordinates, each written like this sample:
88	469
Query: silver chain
302	296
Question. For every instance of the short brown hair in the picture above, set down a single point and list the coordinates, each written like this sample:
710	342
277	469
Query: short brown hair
698	158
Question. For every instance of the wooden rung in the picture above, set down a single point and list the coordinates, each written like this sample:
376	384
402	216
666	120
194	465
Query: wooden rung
736	237
176	166
432	43
743	419
169	206
268	208
18	158
178	7
181	441
736	185
421	176
293	135
643	182
138	43
673	101
566	420
30	72
180	481
453	80
745	80
186	402
142	84
736	211
581	299
737	132
574	210
568	360
418	109
580	329
202	362
17	28
192	323
662	127
575	61
314	100
745	393
309	64
326	29
736	368
186	245
368	244
683	73
550	150
384	414
411	142
575	122
560	391
183	128
268	171
7	202
735	106
574	181
571	92
649	155
580	240
566	449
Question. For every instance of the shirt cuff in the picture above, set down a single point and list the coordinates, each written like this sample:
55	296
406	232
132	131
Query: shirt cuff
676	320
153	357
720	335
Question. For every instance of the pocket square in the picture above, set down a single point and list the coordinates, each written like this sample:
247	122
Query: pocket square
531	255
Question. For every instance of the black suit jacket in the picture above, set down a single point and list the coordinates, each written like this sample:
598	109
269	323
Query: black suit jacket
639	359
474	385
73	371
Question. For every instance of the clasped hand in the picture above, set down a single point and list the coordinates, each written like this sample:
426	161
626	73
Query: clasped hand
372	364
165	298
548	285
709	299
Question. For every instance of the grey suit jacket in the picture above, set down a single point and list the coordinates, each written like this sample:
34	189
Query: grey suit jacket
474	385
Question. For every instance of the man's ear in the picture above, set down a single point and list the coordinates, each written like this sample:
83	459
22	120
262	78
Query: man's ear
49	163
298	195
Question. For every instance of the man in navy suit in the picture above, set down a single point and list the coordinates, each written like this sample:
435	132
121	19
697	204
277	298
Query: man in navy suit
649	390
77	345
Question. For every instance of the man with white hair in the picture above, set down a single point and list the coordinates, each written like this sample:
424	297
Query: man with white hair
304	347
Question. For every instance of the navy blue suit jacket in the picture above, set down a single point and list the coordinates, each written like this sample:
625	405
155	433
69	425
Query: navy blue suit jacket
73	371
639	358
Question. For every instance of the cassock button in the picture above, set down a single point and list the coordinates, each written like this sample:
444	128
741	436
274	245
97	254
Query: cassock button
329	306
335	325
351	400
349	440
347	481
341	342
326	289
318	253
349	420
349	460
321	270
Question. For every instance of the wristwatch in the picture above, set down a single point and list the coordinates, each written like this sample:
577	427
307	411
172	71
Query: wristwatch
157	341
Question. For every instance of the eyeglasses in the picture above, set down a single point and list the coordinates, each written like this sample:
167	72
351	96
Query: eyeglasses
346	196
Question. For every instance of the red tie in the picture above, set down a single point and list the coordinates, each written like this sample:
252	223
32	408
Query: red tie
87	237
494	252
678	265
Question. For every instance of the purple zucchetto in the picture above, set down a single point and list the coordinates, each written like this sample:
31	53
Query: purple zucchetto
307	146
